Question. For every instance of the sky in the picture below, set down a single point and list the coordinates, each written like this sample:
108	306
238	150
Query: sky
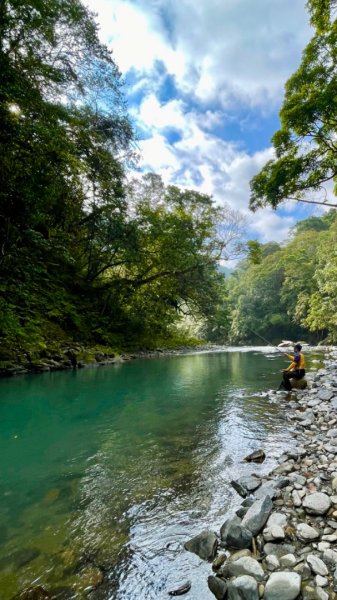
204	83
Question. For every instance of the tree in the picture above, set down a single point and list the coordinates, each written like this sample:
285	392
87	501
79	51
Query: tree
305	146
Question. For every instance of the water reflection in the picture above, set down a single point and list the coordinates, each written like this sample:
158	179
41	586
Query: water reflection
115	468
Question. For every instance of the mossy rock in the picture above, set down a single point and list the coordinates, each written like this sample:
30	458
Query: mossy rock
298	384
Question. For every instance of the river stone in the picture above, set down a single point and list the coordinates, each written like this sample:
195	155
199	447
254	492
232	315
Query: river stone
317	565
272	562
305	533
204	545
275	532
334	403
288	561
278	549
257	515
249	482
256	456
239	488
316	503
235	520
330	557
283	585
243	588
239	537
277	518
217	586
243	566
325	395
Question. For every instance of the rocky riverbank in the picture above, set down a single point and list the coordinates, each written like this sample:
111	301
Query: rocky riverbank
77	356
281	544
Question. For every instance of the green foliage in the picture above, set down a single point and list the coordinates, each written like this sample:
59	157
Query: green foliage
305	148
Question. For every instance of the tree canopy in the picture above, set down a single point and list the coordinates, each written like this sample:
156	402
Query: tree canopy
305	162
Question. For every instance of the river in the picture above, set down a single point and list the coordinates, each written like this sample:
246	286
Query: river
106	472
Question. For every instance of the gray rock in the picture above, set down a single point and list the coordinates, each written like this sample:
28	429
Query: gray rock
277	518
325	395
204	545
273	533
243	566
272	562
243	588
316	503
317	565
330	557
238	537
218	587
283	585
235	520
249	482
257	515
278	549
305	533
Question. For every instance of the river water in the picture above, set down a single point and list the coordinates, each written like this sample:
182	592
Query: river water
115	468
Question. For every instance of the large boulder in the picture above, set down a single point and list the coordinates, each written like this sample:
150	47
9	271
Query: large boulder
257	515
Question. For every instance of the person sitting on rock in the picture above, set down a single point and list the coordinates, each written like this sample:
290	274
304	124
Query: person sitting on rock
296	369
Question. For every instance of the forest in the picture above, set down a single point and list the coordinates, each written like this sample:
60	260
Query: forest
93	251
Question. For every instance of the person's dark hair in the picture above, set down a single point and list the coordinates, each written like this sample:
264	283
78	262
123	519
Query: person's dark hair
298	347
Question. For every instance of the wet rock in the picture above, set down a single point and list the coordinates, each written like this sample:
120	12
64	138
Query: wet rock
243	588
257	515
218	561
283	585
317	503
257	456
217	586
249	482
243	566
239	488
238	537
317	565
204	545
181	590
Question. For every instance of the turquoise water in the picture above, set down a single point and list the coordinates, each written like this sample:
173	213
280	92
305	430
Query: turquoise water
106	472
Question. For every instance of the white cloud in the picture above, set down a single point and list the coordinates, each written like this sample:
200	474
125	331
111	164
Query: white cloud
221	54
216	51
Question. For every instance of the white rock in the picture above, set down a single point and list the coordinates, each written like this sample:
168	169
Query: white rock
321	594
272	562
321	581
296	499
282	585
288	560
323	546
317	565
317	503
275	532
277	518
306	533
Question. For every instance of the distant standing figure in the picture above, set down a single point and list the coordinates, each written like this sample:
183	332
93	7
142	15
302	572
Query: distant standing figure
296	369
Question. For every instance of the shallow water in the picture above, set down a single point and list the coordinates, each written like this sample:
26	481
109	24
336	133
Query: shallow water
117	467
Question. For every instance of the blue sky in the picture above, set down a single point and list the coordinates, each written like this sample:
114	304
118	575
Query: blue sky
204	85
